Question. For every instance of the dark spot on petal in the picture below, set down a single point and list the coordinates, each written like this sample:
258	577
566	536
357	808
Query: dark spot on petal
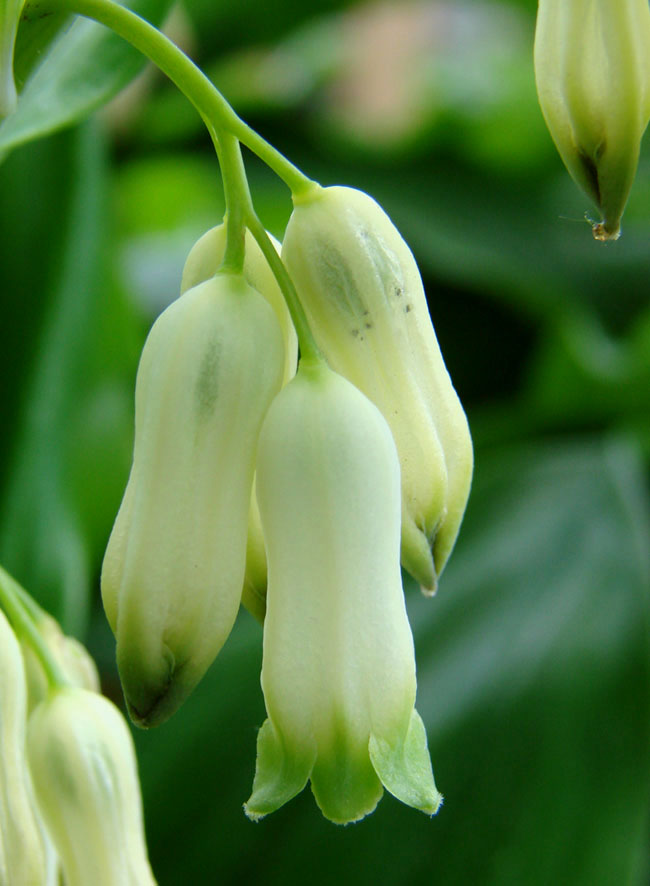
590	169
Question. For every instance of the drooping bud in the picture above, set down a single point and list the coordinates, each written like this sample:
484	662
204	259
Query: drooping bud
174	567
22	851
71	656
10	11
362	292
202	263
84	770
592	66
338	672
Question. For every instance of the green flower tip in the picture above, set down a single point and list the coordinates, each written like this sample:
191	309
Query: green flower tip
592	68
346	781
603	234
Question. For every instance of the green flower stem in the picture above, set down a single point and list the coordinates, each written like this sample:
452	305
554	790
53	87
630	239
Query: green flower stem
240	214
22	612
309	350
237	194
226	128
192	82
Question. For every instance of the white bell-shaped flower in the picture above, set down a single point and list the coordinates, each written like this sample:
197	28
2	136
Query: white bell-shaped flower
338	672
173	571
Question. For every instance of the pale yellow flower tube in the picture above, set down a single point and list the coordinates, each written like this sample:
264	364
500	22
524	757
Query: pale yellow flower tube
202	263
362	292
83	765
338	672
174	568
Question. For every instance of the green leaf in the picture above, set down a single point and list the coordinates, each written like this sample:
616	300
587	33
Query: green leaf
48	539
81	69
534	678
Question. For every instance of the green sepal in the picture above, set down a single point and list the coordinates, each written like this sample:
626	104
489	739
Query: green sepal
280	773
405	768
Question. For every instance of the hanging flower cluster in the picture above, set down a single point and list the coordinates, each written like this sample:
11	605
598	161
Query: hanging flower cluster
297	493
70	802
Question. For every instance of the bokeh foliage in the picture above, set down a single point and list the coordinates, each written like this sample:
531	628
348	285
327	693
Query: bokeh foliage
533	658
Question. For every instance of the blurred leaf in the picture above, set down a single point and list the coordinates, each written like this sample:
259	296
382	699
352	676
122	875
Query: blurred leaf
583	376
231	23
83	68
43	538
500	237
534	684
29	247
162	205
386	78
35	35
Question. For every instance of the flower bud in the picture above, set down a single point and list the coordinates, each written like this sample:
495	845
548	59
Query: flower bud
174	567
71	656
22	851
202	263
83	765
362	292
10	11
338	672
592	66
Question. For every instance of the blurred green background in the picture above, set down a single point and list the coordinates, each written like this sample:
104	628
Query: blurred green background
533	660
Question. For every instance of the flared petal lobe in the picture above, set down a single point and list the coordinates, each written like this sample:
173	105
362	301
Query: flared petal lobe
338	672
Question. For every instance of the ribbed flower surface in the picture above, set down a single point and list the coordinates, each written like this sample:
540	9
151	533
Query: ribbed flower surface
174	568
